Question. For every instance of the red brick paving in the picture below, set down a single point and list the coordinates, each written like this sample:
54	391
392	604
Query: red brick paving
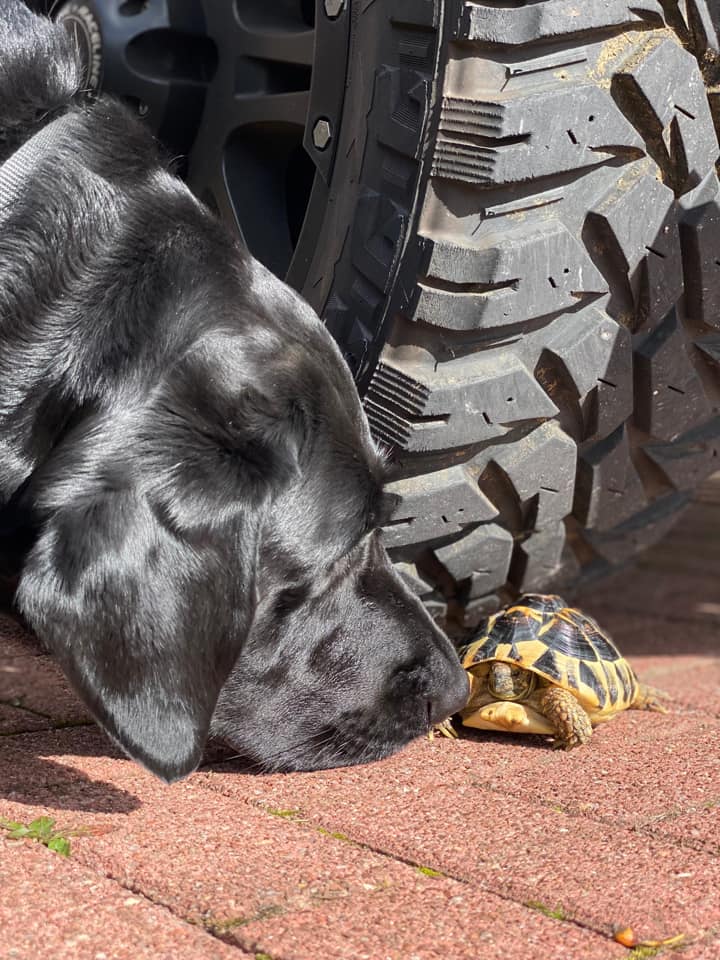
38	686
434	919
16	720
700	951
15	641
311	881
462	850
500	838
52	908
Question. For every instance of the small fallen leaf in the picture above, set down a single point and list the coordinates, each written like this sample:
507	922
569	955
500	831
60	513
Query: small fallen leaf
626	936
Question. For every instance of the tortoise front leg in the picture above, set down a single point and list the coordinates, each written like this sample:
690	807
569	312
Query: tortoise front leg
571	722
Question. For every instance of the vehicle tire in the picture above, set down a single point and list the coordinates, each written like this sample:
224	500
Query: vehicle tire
512	228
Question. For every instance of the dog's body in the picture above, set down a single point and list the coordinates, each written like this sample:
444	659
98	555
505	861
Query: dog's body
184	462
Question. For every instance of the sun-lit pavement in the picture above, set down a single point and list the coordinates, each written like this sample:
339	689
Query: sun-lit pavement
473	849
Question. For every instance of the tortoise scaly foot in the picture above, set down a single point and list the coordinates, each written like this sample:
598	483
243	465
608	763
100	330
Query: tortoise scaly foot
571	723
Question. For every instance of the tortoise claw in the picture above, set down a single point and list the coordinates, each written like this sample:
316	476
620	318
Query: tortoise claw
445	729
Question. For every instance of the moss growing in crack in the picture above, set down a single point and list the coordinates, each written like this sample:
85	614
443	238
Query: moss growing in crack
221	928
263	956
557	913
336	835
284	814
430	872
643	953
298	816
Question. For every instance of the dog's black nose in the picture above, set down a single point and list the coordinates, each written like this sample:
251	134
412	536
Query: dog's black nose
451	697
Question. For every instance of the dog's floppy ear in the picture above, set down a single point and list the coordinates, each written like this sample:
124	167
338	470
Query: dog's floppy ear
142	579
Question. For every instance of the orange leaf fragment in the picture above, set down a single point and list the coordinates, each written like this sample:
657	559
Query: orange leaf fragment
625	936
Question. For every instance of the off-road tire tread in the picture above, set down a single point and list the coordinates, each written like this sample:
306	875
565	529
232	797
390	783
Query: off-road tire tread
565	311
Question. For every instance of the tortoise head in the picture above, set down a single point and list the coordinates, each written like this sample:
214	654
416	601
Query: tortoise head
508	682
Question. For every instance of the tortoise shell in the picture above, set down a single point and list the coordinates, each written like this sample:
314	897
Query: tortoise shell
564	646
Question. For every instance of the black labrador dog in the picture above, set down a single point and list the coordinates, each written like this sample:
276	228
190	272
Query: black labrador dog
190	494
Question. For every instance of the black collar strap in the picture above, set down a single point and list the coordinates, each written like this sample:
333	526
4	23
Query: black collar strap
16	170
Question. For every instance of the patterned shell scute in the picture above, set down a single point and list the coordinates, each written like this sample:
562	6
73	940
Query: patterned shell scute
561	644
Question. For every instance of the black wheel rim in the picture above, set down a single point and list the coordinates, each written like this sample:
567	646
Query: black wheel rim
245	95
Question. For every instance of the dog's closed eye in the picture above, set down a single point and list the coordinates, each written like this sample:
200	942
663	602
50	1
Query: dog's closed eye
289	599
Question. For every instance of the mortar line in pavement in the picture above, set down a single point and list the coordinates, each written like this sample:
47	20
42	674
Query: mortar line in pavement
55	726
308	823
618	606
603	821
304	819
645	828
704	621
16	704
22	733
146	898
205	783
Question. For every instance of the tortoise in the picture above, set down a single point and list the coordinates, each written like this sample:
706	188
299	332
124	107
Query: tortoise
541	666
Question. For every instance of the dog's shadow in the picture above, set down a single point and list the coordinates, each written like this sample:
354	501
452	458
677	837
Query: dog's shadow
41	719
41	782
42	723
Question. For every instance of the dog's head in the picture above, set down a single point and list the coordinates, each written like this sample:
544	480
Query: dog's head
189	448
341	670
209	560
342	663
